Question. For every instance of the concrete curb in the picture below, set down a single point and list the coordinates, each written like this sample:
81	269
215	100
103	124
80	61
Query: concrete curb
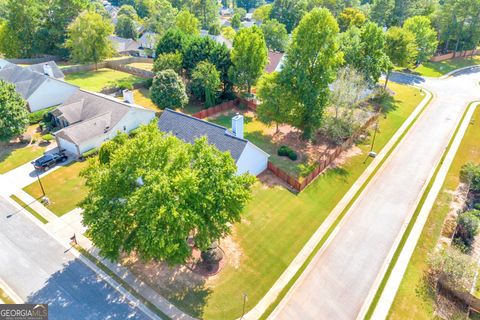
395	279
309	247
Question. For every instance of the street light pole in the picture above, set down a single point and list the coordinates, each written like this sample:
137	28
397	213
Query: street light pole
244	303
374	135
39	181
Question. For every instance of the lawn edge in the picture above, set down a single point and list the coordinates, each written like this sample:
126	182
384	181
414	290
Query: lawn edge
406	234
29	209
426	101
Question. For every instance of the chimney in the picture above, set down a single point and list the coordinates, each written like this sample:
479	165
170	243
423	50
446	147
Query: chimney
47	70
237	126
128	96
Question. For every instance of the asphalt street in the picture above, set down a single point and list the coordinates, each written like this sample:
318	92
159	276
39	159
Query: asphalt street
40	270
337	282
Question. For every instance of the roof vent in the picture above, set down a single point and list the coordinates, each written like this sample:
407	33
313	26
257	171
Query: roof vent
106	129
47	70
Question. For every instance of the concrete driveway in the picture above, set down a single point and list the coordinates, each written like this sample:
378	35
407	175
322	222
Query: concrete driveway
24	175
40	270
337	283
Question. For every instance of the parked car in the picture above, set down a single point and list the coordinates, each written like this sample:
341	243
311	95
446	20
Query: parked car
49	160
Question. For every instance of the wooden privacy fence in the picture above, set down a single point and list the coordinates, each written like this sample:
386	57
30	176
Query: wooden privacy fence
225	106
457	54
115	64
325	160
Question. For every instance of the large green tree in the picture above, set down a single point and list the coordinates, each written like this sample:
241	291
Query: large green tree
425	36
262	13
311	64
249	4
187	22
351	17
53	29
381	11
88	38
276	35
288	12
172	41
162	18
205	82
168	90
206	11
166	61
19	32
400	48
273	107
155	191
126	28
249	57
13	112
365	50
206	49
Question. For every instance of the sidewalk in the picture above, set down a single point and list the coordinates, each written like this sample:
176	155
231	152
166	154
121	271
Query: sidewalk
393	283
309	247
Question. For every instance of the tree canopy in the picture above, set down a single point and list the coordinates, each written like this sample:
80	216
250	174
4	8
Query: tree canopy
13	112
205	82
126	28
276	36
166	61
311	65
425	36
288	12
187	22
155	191
88	38
168	90
401	47
249	57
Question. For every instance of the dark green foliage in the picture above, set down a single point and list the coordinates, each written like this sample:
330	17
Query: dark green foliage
126	28
37	116
470	174
467	228
289	12
13	113
286	151
168	90
173	41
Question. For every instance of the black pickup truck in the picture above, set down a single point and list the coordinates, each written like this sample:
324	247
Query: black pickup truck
49	160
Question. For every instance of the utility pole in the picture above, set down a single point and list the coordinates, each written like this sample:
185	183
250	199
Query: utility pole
39	181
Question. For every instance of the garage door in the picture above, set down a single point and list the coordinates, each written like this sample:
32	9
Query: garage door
69	147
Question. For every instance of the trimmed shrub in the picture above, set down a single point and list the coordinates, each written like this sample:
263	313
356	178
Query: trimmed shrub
47	137
37	116
90	153
285	151
467	228
477	206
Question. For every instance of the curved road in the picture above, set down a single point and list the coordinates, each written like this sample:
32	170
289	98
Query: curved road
338	281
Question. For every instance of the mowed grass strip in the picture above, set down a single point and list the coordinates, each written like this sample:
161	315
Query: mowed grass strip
101	78
277	224
28	208
438	69
64	187
411	302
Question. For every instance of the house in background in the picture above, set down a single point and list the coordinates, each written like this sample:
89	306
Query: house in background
219	38
126	46
89	119
275	61
41	84
247	156
148	40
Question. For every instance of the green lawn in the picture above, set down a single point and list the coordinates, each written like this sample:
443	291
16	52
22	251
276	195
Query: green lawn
141	65
437	69
410	301
277	225
64	187
100	79
13	156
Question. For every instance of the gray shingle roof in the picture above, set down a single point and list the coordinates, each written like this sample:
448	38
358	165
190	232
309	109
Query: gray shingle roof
89	114
26	81
189	128
57	73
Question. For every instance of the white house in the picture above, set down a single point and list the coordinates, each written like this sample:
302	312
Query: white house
124	45
41	85
148	40
247	156
89	119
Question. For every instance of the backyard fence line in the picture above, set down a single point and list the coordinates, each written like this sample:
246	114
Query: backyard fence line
323	162
116	64
222	107
456	54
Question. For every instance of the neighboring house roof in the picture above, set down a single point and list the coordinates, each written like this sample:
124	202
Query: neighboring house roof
275	61
89	115
220	39
124	44
189	128
39	67
25	80
148	39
